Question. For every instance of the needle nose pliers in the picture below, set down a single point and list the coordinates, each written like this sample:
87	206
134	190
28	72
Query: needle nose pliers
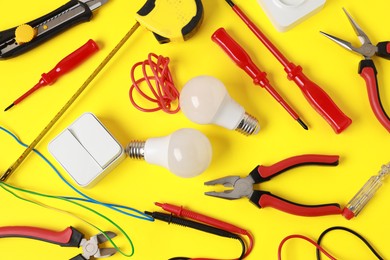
243	187
69	237
367	67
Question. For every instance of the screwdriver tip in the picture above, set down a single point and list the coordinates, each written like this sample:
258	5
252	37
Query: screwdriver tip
9	107
302	124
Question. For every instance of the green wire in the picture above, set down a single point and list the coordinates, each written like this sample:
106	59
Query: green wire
3	184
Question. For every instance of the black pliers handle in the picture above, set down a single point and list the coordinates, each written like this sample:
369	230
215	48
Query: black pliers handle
367	68
243	187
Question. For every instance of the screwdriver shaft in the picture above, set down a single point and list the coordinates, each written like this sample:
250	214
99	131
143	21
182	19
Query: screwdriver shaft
40	84
65	65
28	150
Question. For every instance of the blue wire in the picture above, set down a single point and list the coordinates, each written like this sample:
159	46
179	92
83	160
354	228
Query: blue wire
86	198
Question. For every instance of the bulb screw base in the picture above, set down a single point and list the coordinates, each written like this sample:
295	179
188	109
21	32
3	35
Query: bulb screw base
248	125
136	150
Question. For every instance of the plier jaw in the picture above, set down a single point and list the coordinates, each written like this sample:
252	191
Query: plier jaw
242	187
91	247
367	49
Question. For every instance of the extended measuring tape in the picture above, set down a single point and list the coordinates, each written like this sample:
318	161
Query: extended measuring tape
169	20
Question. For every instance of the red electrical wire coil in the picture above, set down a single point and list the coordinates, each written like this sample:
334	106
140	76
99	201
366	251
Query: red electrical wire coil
163	93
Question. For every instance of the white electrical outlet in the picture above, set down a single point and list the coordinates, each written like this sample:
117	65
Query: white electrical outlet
284	14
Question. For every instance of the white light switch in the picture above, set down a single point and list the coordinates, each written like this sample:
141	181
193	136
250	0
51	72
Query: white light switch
86	150
285	14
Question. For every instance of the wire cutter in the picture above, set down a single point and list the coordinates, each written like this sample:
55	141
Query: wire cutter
243	187
367	67
69	237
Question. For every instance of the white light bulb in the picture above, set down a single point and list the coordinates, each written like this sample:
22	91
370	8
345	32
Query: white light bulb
186	152
205	100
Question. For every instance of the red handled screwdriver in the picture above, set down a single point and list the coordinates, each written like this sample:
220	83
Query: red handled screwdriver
65	65
242	59
316	96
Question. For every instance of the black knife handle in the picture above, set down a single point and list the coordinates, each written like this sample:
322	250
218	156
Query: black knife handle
9	34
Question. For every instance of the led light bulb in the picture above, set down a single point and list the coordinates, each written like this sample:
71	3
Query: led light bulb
186	152
205	100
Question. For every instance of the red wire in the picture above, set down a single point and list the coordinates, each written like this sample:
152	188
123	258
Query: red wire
304	238
250	246
163	92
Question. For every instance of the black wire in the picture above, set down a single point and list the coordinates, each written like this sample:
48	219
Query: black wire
243	247
350	231
169	218
240	258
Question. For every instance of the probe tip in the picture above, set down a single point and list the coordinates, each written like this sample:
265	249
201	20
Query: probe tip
302	124
9	107
230	2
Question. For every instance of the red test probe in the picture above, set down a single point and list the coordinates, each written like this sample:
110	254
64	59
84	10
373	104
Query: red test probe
185	213
65	65
316	96
243	60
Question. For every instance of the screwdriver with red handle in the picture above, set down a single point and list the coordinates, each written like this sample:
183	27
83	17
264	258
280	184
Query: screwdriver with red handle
316	96
243	60
65	65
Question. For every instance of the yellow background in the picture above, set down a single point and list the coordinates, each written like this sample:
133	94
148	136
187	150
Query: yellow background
363	147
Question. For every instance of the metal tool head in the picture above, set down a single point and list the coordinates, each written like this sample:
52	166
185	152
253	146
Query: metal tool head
91	247
94	4
359	32
366	49
342	43
242	187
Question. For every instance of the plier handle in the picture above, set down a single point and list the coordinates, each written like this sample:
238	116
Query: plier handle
69	237
367	69
243	187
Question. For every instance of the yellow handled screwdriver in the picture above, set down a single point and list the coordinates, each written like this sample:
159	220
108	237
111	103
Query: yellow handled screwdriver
168	20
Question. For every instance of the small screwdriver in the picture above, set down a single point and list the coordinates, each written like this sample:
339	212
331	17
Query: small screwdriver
65	65
364	195
242	59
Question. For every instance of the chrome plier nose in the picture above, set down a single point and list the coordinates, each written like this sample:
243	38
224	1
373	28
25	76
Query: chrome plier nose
367	49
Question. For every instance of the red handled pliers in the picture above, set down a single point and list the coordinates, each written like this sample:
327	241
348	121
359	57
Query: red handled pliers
69	237
243	187
367	67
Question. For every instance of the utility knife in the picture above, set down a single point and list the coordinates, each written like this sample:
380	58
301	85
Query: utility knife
22	38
